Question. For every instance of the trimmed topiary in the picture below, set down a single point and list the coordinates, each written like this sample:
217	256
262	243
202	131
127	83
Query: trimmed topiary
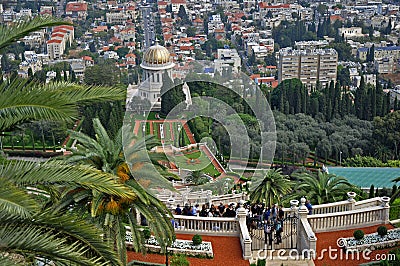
146	233
197	240
382	230
358	234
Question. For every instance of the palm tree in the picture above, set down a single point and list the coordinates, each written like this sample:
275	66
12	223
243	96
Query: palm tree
107	155
271	188
323	187
197	178
28	231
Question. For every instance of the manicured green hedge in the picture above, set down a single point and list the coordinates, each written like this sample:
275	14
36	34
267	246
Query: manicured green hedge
37	154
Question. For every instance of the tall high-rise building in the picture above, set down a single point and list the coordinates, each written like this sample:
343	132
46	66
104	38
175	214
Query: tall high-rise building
308	65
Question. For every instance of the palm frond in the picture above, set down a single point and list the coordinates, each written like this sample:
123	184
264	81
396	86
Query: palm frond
23	100
23	173
58	238
12	34
15	201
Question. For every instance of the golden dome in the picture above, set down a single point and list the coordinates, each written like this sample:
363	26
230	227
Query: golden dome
156	55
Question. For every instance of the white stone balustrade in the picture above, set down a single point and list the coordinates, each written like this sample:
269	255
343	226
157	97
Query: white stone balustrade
347	219
244	236
368	203
198	197
217	226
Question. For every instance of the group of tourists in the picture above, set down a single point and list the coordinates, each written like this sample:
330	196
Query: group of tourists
268	218
207	210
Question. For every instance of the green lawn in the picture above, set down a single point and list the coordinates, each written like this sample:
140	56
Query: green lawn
204	164
167	132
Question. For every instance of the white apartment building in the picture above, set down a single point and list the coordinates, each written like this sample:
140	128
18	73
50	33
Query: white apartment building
352	32
117	18
227	58
309	66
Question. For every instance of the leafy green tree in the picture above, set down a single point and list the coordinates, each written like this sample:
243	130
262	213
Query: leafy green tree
104	73
183	15
171	95
191	31
371	192
323	188
387	131
370	54
343	50
271	187
5	63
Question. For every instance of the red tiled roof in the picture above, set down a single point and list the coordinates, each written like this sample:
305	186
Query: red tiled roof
265	5
54	41
76	7
186	48
254	76
57	35
165	20
114	39
168	36
336	17
178	2
100	28
87	58
131	55
65	27
59	31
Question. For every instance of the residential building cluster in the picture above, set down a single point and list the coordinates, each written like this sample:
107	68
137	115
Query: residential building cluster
236	35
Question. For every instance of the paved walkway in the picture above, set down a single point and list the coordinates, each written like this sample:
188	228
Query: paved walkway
212	159
188	133
227	252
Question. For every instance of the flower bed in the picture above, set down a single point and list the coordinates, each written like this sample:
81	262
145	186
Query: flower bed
179	246
372	241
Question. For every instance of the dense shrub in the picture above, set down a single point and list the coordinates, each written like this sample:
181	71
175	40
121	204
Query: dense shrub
197	240
363	161
382	230
179	260
358	234
146	234
37	154
261	262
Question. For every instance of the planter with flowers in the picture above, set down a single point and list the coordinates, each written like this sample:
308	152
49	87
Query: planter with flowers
179	246
383	238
